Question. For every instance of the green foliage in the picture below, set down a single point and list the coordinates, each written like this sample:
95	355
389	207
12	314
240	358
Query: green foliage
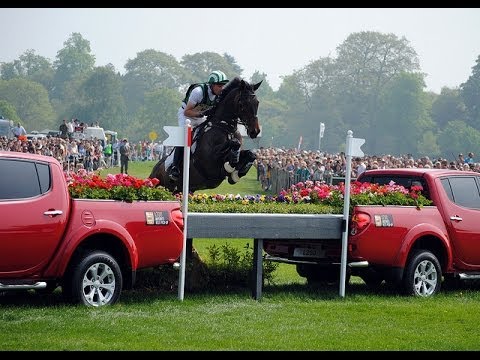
31	103
458	135
8	111
199	65
470	93
102	97
149	71
221	267
266	208
228	266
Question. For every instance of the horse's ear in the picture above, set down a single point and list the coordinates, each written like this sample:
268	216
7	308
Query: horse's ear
256	86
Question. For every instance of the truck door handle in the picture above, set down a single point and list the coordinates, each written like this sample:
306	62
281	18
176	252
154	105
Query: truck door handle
456	218
53	213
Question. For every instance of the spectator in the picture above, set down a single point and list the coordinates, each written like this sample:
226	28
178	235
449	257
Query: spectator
124	156
19	130
361	167
70	129
303	174
469	158
63	129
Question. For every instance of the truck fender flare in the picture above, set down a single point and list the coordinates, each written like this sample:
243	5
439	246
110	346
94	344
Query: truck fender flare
420	231
74	239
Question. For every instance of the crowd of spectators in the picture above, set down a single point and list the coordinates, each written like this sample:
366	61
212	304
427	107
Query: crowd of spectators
303	165
321	166
84	153
74	152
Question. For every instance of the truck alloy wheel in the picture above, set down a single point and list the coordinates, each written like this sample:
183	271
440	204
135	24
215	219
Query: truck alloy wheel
423	274
96	280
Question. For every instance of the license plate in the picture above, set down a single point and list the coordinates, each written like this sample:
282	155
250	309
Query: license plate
309	252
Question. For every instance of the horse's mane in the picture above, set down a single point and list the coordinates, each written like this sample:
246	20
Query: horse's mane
232	84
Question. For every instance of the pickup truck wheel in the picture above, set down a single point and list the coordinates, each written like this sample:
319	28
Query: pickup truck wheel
96	280
423	274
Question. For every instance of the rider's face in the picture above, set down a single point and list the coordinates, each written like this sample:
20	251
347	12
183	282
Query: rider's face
217	88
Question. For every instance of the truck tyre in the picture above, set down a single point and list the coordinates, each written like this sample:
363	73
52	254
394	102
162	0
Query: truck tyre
423	274
96	280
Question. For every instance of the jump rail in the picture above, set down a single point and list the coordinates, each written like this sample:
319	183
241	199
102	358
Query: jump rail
263	226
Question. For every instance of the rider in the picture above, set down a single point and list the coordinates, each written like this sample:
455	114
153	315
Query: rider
197	101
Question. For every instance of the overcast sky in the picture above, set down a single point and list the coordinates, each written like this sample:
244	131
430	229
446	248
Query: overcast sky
270	40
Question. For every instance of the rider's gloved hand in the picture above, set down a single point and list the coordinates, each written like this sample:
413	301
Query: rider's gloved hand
206	112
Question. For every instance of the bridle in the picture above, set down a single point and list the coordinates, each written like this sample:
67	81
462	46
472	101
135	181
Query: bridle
243	101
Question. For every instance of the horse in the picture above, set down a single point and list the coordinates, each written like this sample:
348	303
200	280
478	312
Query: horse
215	152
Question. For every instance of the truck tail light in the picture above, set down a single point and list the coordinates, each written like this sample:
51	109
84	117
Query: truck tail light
358	223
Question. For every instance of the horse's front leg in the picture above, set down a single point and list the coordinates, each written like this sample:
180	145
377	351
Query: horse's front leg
247	158
233	156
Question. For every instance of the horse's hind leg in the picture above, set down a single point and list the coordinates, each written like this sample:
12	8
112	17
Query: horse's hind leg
244	164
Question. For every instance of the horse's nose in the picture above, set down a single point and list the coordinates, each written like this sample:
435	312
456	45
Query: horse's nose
256	129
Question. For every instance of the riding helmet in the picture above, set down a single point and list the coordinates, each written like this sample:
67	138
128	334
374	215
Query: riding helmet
217	77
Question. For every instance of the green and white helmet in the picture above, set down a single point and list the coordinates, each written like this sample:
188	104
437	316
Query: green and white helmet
217	77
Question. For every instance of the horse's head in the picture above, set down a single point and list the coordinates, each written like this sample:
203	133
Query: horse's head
247	108
246	104
238	102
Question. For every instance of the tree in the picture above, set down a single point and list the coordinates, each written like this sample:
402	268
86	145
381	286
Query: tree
73	61
428	144
458	137
8	111
265	91
368	61
160	109
470	93
30	100
200	65
31	67
448	106
403	115
150	70
102	99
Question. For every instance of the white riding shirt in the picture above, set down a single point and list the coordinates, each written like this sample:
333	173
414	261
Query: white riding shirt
196	97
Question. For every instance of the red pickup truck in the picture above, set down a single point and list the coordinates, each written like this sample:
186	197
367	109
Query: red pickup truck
91	248
414	249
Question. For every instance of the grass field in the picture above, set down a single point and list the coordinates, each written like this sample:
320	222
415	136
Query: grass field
290	316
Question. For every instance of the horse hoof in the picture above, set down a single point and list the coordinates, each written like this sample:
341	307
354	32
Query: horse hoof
235	176
228	168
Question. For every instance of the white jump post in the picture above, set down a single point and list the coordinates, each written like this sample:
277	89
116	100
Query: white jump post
352	149
176	138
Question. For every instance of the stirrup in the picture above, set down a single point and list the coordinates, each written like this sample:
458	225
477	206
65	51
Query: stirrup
228	167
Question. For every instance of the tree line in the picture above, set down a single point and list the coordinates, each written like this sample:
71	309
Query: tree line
373	86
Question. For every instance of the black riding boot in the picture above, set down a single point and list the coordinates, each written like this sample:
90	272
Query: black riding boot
174	170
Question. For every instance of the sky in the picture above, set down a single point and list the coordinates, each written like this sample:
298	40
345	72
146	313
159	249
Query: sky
274	41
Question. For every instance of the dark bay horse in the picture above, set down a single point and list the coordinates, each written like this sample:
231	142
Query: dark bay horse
215	152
